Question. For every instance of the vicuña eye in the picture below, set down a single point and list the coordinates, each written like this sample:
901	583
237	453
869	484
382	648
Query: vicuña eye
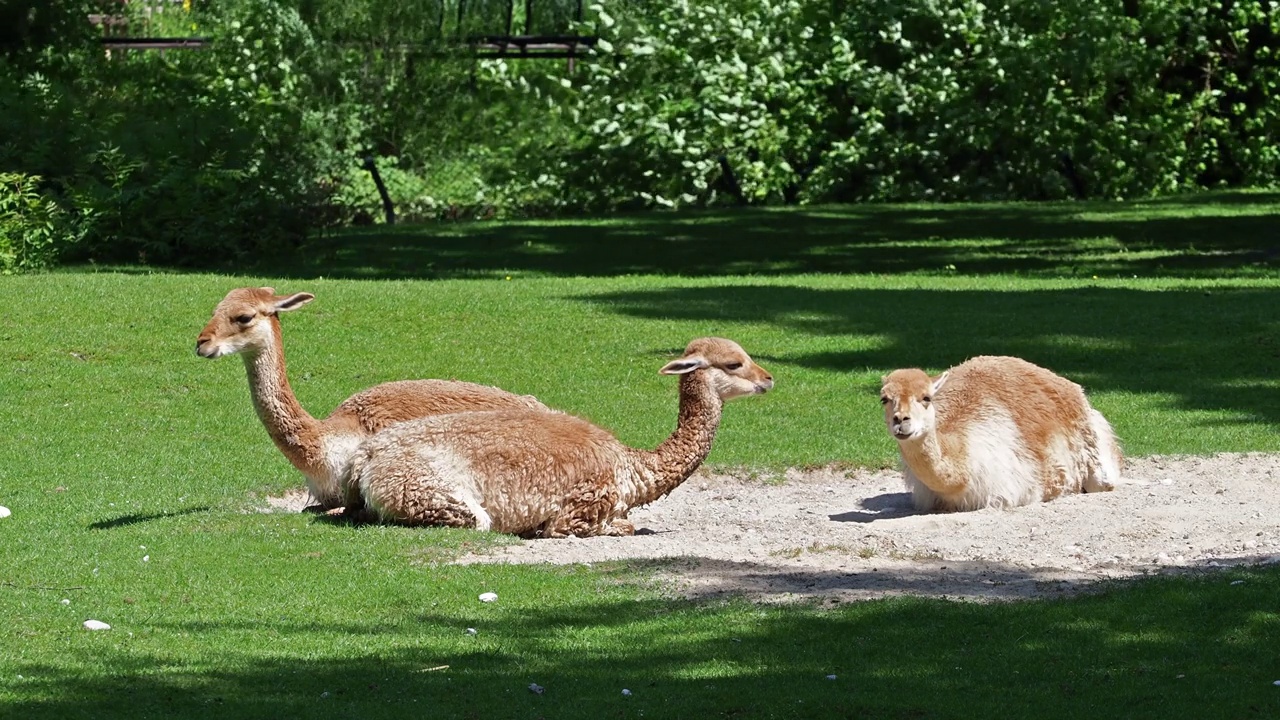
244	319
884	400
734	366
927	399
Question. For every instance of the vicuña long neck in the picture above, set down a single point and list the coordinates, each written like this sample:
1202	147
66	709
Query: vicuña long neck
935	463
679	455
292	429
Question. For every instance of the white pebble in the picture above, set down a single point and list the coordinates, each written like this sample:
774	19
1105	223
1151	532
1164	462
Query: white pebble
536	688
471	631
324	694
1276	682
96	625
488	597
66	601
626	692
1166	481
146	558
4	512
1237	582
831	677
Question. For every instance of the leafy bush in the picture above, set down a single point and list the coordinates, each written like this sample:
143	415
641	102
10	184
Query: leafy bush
34	230
187	157
204	157
798	100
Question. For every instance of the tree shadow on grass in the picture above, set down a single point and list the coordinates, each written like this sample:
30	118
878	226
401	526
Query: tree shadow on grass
1199	236
1137	649
1215	349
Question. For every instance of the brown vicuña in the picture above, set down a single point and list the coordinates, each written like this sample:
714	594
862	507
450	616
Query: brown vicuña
247	322
997	432
547	474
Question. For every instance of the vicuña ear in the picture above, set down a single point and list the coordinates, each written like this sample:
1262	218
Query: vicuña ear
684	365
938	382
292	302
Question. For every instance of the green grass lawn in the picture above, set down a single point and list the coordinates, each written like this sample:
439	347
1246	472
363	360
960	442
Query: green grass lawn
118	443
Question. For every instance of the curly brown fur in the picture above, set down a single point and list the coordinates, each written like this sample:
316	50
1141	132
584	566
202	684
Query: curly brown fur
549	474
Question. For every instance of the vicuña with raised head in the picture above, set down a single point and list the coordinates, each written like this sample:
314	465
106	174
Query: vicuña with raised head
548	474
247	322
997	432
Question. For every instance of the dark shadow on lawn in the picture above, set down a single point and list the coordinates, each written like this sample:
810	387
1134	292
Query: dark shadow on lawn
1201	236
1122	649
1213	349
136	518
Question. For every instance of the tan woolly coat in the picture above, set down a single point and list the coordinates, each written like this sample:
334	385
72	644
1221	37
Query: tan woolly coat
995	432
540	474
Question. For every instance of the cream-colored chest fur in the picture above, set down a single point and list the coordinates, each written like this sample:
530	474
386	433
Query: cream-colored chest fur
336	454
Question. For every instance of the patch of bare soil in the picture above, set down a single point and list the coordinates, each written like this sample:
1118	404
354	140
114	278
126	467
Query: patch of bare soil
832	536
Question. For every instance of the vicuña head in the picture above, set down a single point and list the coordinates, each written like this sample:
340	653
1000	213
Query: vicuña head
247	322
907	397
548	474
996	432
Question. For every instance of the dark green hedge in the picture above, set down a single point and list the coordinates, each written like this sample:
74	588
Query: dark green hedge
825	101
206	156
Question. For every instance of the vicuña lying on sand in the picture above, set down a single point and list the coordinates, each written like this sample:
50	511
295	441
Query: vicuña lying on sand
997	432
247	322
547	474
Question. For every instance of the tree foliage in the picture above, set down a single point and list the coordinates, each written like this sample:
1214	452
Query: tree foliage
930	99
205	156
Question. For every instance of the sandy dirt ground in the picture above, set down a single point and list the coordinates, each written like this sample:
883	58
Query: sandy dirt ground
834	536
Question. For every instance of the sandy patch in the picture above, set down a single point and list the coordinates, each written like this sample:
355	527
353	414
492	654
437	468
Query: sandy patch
834	536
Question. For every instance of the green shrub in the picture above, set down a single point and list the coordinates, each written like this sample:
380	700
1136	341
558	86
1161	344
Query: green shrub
806	101
186	157
34	230
204	157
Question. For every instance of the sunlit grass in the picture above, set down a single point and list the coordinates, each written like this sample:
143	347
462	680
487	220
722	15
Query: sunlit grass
119	444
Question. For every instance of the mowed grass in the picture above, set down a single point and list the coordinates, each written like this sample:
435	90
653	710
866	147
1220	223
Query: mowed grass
133	469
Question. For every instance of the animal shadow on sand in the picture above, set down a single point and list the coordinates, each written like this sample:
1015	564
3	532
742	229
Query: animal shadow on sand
884	506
